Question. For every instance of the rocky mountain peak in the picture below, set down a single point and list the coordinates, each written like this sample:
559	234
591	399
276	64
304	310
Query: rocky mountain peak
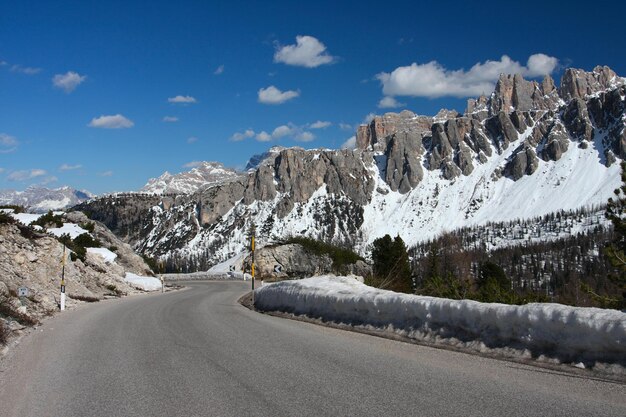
577	83
202	175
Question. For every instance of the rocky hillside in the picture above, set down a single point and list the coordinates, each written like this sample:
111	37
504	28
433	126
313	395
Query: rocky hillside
32	258
529	149
202	176
41	199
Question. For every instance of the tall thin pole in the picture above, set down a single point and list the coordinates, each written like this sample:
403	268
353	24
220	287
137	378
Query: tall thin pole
252	268
63	281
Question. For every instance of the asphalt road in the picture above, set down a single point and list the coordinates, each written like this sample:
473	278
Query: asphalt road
196	352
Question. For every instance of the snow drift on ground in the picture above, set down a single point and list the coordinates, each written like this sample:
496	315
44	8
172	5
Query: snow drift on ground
106	254
567	334
144	283
71	229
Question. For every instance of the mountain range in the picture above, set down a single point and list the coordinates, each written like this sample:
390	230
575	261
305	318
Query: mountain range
528	149
41	199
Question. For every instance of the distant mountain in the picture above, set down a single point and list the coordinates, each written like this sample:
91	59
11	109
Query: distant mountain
529	149
40	199
205	175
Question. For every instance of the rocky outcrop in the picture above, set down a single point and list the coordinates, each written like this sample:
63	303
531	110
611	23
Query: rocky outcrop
373	136
32	259
298	262
524	161
577	83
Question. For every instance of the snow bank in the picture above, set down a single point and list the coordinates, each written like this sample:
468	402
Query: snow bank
144	283
106	254
565	333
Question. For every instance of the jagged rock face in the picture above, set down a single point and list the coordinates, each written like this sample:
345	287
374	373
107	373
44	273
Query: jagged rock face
515	93
577	83
374	135
523	162
404	169
296	174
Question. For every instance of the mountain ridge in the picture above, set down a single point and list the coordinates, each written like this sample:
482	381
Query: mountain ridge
523	151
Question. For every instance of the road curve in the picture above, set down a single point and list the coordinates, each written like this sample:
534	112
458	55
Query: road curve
197	352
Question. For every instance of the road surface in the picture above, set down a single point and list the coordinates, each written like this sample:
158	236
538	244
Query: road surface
197	352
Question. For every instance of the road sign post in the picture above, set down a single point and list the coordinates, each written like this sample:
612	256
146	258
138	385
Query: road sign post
63	281
252	267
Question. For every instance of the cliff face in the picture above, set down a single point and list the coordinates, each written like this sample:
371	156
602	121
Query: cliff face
524	151
587	104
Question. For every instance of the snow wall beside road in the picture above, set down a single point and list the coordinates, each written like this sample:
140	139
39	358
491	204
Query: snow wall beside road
567	334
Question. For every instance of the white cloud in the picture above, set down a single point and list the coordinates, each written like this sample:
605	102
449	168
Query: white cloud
540	64
290	130
192	139
345	126
307	52
25	175
192	164
263	137
2	170
368	118
67	167
170	119
106	174
182	100
304	136
433	80
272	95
282	131
25	70
350	143
111	122
8	143
319	125
237	137
68	81
3	63
48	180
219	70
389	103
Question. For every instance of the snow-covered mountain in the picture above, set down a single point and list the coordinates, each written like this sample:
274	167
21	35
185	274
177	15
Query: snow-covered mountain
527	150
202	176
40	199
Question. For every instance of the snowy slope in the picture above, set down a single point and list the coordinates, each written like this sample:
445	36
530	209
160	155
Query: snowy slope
436	205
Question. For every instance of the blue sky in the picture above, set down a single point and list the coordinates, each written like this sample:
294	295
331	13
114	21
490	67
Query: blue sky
102	95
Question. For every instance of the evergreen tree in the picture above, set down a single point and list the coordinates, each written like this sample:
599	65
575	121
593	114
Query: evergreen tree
391	264
493	285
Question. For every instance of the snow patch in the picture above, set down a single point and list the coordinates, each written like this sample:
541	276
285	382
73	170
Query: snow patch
144	283
106	254
71	229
